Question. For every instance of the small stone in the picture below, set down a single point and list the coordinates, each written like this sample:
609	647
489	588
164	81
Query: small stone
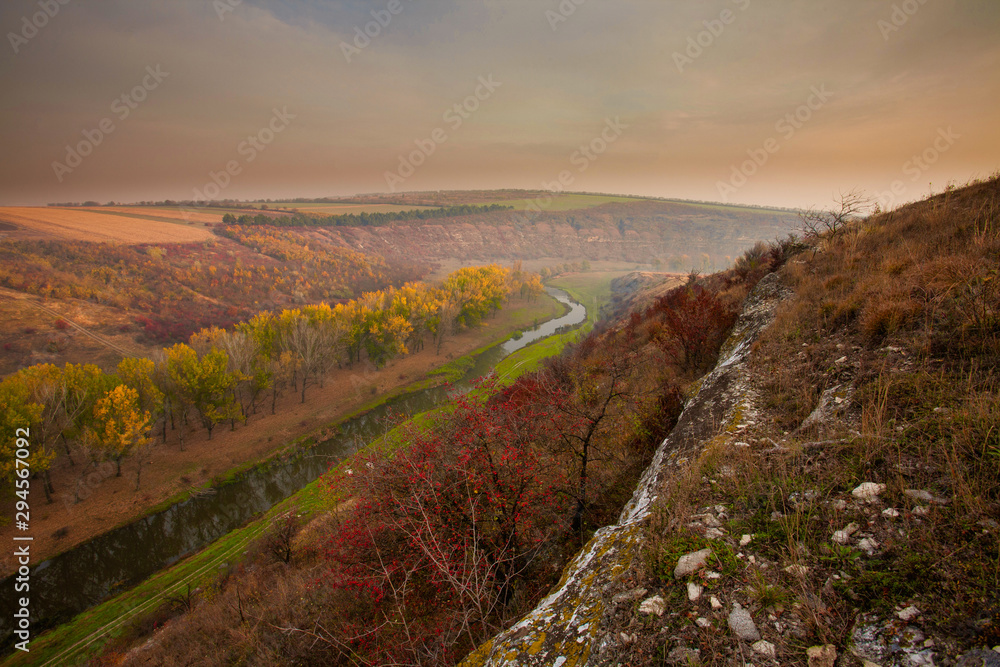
714	534
709	520
712	574
841	360
720	510
918	494
714	601
839	505
797	570
921	510
908	614
654	605
822	656
775	515
694	591
868	491
703	622
844	536
628	596
868	545
745	540
979	658
890	513
691	563
741	623
765	648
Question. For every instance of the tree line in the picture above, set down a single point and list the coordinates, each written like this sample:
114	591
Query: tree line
302	219
90	416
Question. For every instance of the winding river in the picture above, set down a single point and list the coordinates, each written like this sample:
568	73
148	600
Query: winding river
119	559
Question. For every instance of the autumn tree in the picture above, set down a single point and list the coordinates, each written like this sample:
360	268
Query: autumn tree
204	383
139	373
119	428
592	402
17	411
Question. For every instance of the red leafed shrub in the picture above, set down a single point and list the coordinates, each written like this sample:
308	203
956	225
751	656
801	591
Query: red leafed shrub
61	324
441	533
693	323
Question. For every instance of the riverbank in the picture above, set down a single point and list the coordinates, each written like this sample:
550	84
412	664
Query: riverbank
171	474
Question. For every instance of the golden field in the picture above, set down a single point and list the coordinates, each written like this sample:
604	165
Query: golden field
89	225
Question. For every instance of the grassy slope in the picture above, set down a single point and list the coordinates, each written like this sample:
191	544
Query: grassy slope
902	313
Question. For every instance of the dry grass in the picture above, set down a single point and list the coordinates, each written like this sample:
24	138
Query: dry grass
904	309
87	225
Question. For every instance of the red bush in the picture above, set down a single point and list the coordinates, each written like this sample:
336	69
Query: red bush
445	528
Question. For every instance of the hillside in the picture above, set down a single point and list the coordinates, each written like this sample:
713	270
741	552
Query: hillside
830	493
680	236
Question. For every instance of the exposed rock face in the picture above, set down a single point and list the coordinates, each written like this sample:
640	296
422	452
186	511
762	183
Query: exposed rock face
654	230
565	628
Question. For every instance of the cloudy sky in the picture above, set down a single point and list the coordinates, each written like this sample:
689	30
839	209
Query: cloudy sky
781	102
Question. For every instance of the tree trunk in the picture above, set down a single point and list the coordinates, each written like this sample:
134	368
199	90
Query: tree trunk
69	454
47	486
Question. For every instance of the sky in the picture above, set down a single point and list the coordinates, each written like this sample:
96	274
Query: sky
769	102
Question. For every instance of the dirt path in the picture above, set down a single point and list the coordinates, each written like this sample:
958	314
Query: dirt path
110	501
90	334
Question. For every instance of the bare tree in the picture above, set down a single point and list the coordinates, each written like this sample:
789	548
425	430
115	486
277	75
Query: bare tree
850	206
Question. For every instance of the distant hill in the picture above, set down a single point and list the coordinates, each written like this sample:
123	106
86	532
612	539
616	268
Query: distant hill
678	235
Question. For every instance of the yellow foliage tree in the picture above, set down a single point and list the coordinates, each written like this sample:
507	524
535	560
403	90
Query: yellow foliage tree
119	428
